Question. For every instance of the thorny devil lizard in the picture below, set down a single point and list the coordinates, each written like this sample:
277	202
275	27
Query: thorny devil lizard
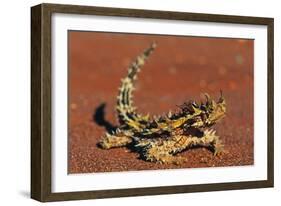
158	139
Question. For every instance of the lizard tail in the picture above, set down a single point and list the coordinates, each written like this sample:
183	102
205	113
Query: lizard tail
125	110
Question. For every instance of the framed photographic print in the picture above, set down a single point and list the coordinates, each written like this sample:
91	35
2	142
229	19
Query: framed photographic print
132	102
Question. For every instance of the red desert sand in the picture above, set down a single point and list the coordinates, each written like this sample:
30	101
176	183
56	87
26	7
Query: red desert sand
180	69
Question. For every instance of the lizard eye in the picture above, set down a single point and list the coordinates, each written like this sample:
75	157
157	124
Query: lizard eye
203	107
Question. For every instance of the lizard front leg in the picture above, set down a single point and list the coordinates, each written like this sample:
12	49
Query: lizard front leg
210	139
163	151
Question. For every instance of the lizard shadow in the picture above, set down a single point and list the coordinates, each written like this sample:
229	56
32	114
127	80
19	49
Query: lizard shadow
99	118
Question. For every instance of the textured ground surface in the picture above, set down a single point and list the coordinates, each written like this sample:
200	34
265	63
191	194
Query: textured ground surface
179	70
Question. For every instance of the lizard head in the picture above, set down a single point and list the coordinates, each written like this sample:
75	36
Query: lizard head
213	110
204	115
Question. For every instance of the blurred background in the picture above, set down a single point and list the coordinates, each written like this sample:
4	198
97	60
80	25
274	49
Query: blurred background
180	69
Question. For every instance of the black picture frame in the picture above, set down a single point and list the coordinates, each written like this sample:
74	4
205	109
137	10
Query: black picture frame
41	115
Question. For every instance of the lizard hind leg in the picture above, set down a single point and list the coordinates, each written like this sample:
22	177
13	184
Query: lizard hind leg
115	140
159	151
163	157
